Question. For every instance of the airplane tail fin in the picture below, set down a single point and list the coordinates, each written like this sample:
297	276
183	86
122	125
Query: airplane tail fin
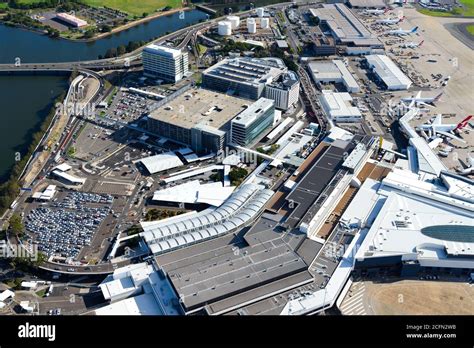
463	123
414	29
438	97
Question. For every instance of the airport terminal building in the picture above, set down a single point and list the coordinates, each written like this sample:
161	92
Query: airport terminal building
419	226
346	28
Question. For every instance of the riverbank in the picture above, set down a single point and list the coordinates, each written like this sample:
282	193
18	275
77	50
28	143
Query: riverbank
17	43
99	36
129	25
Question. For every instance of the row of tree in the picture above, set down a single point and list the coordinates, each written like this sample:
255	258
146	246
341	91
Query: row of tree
122	49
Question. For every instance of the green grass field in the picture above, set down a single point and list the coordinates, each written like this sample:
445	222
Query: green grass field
470	29
466	11
134	7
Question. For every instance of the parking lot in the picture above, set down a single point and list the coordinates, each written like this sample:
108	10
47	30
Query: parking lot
64	227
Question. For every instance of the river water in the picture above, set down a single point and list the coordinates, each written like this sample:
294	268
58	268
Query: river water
24	103
32	47
26	100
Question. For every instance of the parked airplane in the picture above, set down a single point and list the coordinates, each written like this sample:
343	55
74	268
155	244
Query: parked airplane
401	32
412	44
389	21
375	12
448	130
469	170
419	101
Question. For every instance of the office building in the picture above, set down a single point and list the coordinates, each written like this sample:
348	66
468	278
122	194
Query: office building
324	45
251	123
165	63
284	91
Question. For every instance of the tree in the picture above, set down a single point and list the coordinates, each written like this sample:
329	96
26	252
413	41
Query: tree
145	14
40	259
121	50
106	28
111	52
16	226
89	33
236	175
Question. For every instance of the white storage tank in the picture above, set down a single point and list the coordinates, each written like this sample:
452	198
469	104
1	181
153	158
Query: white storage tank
264	23
260	12
251	26
224	28
234	20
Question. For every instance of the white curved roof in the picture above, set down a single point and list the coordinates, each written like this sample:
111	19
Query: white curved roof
242	206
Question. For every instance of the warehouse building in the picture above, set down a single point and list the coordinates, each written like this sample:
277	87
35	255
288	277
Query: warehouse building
367	4
335	72
71	20
387	72
197	118
243	76
251	123
338	107
166	63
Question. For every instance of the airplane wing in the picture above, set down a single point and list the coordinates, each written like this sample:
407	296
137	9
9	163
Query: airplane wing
418	95
437	120
424	104
452	136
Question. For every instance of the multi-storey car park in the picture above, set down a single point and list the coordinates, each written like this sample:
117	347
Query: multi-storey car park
254	78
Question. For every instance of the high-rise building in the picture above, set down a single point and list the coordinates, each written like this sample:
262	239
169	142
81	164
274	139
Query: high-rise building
166	63
284	90
252	122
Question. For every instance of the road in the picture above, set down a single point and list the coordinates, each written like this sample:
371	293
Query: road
127	61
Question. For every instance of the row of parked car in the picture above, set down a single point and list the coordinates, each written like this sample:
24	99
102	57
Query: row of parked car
63	232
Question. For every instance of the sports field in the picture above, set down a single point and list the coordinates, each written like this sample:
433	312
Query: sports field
467	10
135	7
